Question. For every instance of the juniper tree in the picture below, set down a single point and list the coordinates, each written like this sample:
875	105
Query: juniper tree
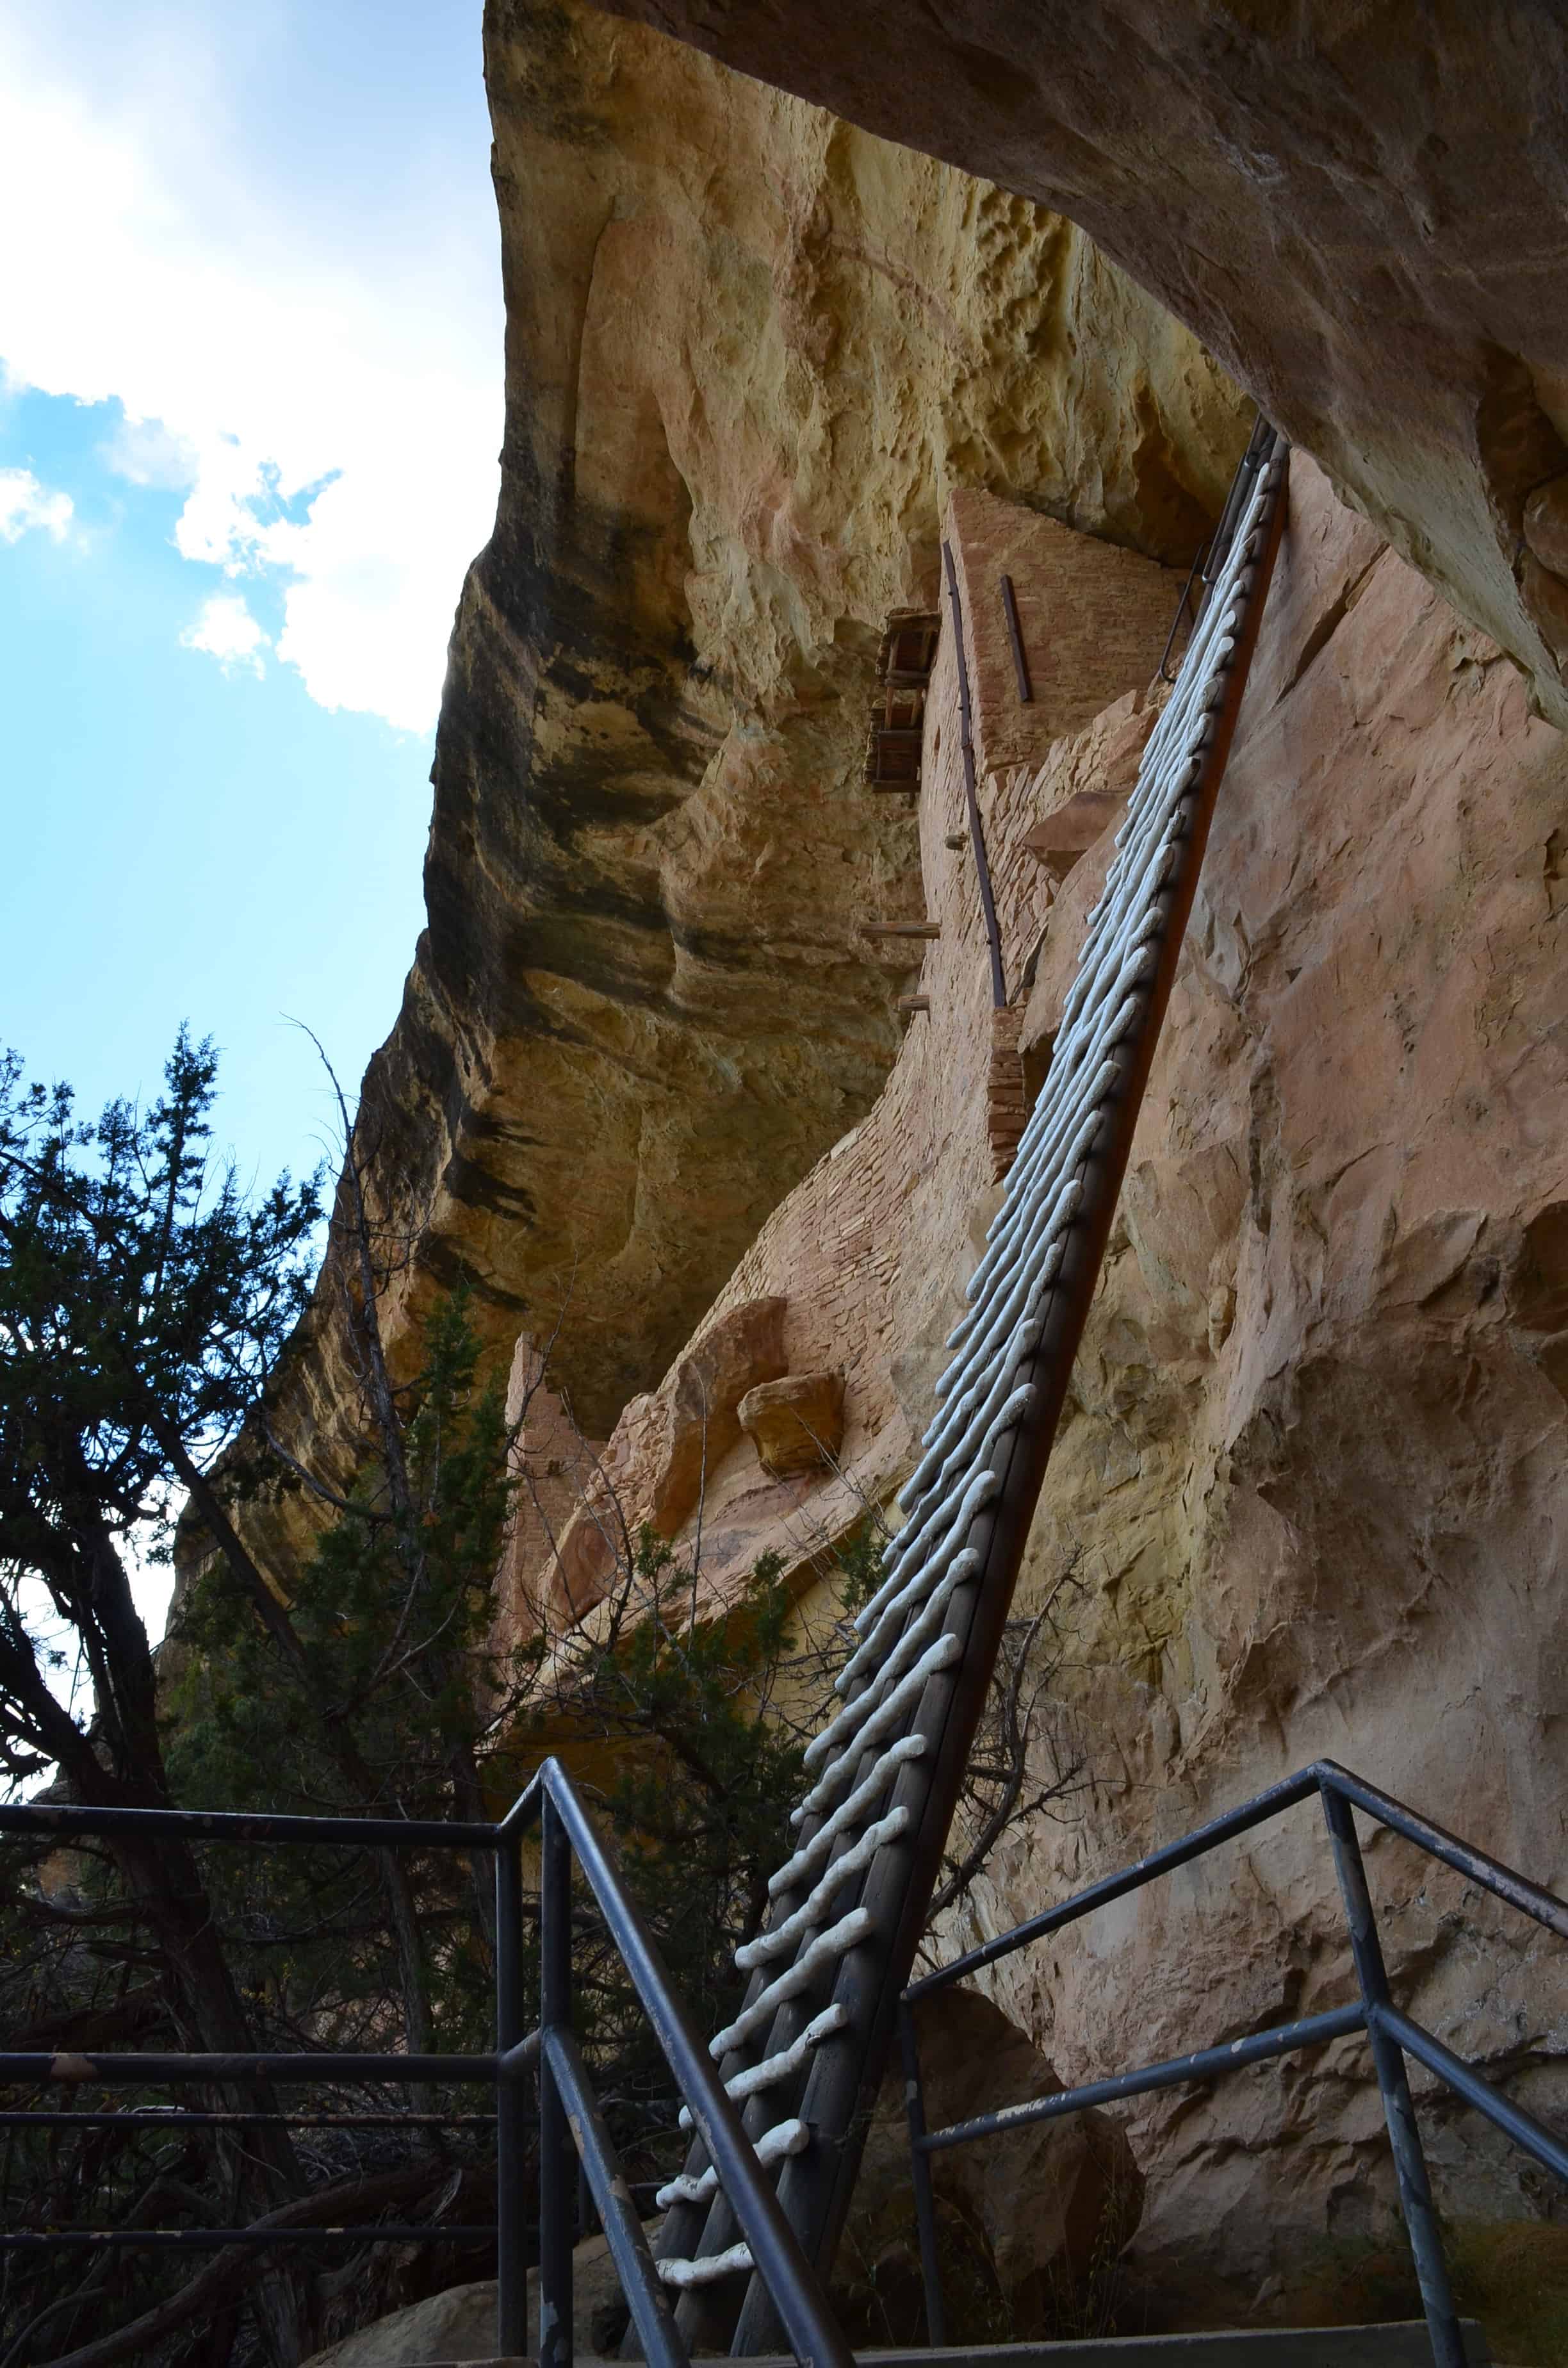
144	1306
142	1297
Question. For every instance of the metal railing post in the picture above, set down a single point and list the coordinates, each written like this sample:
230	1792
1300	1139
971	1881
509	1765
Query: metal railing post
920	2169
511	2111
557	2154
1388	2057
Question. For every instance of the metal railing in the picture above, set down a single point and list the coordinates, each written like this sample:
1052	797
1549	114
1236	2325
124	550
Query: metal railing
1391	2035
574	2140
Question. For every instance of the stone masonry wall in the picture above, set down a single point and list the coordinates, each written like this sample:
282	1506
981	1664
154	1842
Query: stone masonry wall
1089	614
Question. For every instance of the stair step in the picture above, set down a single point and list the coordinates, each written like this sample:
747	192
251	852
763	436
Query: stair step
1400	2343
1397	2343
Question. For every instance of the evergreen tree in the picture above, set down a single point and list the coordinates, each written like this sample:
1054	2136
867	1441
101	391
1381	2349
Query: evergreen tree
145	1305
142	1300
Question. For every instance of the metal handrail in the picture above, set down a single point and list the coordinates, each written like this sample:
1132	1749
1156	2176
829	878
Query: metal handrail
1391	2035
1184	606
177	2117
570	2125
1257	2048
244	1826
810	2327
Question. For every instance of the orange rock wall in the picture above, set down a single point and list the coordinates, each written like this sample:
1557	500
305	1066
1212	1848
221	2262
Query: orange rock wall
1307	1495
1311	1481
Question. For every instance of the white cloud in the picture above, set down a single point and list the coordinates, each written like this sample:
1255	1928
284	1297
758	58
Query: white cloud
25	502
324	385
144	453
226	631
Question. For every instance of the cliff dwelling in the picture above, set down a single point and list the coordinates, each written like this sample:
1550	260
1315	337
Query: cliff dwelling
979	1121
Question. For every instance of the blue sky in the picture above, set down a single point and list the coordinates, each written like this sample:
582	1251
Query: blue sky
250	333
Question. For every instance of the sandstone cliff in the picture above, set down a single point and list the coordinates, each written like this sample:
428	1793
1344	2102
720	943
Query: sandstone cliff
649	1076
750	349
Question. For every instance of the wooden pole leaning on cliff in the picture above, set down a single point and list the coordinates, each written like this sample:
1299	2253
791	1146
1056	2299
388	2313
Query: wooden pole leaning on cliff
971	793
806	2052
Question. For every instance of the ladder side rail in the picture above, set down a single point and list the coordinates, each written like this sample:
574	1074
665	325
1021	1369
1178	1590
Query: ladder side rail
703	2232
1190	722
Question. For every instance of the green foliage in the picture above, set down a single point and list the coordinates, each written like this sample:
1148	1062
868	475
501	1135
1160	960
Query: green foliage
858	1561
704	1766
396	1696
394	1611
143	1303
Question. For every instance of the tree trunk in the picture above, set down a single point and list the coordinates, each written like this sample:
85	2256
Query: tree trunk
164	1879
260	2165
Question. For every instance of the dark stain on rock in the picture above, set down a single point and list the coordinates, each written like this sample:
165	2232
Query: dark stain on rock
1538	1290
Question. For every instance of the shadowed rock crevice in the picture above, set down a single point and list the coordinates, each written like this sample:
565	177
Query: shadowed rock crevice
1359	209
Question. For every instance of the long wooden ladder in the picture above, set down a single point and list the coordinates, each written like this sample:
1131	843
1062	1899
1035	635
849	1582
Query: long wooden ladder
806	2052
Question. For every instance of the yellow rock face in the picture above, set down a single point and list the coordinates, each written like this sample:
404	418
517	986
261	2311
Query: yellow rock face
749	352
